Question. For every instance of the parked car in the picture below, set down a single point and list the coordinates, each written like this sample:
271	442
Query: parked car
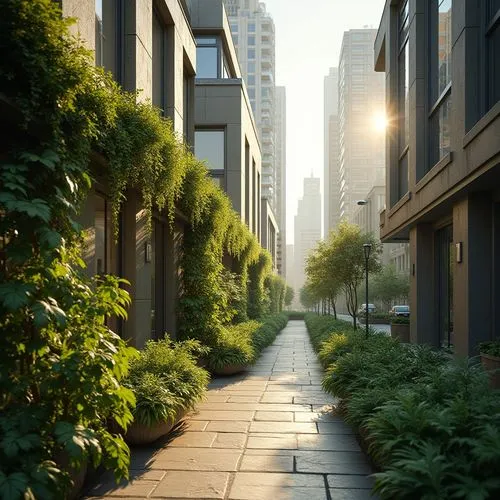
371	309
400	311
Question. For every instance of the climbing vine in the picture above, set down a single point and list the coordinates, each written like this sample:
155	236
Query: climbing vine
61	366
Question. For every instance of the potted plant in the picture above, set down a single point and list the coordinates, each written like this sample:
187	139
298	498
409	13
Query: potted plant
400	328
234	351
167	383
490	359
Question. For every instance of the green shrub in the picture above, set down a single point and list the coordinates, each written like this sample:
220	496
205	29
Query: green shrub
441	438
233	347
431	423
400	320
295	315
491	347
320	328
166	379
241	344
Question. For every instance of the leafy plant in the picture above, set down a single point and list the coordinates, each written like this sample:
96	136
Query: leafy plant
400	320
166	379
492	347
241	344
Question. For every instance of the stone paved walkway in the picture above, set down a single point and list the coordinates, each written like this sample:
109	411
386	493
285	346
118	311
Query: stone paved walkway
265	434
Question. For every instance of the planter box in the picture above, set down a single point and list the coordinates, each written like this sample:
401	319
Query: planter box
492	365
77	475
229	370
401	332
144	434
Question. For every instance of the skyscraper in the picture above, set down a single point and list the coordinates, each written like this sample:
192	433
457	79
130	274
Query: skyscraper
307	231
253	34
280	164
331	189
361	111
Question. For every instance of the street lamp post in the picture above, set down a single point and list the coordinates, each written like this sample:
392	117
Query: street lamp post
367	249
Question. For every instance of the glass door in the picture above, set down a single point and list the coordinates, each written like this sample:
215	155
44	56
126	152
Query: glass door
444	289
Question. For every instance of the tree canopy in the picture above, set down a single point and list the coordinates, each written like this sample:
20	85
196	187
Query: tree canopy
338	265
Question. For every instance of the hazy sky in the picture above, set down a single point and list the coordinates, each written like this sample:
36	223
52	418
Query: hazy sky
308	40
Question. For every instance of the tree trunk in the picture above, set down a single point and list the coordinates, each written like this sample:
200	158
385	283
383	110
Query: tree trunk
334	309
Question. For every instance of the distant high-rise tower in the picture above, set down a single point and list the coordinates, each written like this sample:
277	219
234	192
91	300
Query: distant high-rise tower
307	228
361	108
331	189
280	164
253	34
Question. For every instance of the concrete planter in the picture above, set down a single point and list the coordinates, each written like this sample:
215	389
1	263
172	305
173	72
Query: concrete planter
230	370
492	365
401	332
140	434
77	475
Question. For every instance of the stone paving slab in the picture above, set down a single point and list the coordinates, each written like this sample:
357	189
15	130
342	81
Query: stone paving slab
192	484
267	434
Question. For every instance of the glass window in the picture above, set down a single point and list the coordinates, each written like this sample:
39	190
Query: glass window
251	40
99	37
206	62
159	86
234	28
493	52
206	40
251	67
102	236
251	80
440	80
209	146
251	53
403	94
251	27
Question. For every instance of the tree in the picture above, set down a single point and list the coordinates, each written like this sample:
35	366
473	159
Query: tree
321	276
338	264
307	297
389	285
289	294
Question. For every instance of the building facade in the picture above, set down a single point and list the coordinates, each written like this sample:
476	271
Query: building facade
280	135
331	175
442	68
367	217
225	133
360	112
150	47
307	229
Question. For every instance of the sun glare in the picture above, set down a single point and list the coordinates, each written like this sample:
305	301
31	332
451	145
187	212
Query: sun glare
380	122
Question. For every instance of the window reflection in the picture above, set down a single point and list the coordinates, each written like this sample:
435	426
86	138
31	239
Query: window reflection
209	146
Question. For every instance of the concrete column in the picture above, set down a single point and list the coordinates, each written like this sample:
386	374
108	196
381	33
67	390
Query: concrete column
423	324
138	48
84	12
127	236
472	283
173	250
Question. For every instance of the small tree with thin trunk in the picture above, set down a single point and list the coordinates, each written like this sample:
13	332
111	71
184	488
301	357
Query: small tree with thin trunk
346	261
289	294
389	285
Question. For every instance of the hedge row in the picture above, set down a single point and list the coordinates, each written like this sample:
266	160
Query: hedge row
431	423
241	344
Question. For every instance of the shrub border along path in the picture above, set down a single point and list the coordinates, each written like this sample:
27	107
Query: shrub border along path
268	433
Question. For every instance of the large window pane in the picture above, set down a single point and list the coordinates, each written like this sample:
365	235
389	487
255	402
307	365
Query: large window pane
99	37
404	82
209	146
158	63
206	62
493	49
403	176
444	46
440	131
